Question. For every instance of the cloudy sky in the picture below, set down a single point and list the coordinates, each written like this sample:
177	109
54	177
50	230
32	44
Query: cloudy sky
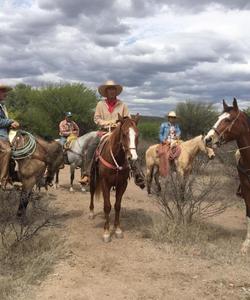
163	52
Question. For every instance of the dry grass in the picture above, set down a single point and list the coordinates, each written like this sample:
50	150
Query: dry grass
201	239
28	250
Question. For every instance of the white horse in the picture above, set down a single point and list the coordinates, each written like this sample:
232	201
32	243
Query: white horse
77	156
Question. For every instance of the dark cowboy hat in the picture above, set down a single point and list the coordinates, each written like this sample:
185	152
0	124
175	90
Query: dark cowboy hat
5	87
110	83
68	114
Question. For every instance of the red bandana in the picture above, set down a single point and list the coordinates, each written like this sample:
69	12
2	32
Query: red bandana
111	104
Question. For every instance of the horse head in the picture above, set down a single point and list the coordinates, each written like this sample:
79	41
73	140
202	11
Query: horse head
129	134
231	124
207	150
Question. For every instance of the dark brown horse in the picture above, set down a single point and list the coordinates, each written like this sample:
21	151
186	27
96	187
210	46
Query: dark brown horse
112	170
44	155
234	124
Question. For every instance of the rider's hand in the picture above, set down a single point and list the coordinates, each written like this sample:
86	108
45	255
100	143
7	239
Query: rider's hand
15	125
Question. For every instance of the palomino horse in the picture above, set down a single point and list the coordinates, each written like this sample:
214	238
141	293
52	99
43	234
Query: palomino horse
77	156
32	165
112	170
233	124
183	164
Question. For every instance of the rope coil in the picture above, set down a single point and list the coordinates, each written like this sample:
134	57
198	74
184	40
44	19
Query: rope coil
27	149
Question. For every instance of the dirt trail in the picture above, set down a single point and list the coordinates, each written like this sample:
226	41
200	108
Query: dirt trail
134	267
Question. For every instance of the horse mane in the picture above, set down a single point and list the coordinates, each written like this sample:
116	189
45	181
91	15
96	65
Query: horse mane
248	118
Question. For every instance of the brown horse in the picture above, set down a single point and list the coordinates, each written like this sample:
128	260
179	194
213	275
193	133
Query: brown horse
183	164
45	155
233	124
112	170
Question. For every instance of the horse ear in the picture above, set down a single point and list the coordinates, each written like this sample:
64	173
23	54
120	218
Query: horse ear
225	106
137	117
235	104
120	118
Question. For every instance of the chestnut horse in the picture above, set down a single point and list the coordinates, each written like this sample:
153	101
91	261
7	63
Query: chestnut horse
233	124
183	164
112	170
44	155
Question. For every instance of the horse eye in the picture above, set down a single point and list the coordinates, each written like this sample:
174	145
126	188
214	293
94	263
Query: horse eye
227	120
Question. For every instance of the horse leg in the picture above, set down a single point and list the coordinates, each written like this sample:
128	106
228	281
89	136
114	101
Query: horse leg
157	181
72	177
246	196
57	179
25	195
149	178
82	173
120	189
107	209
91	206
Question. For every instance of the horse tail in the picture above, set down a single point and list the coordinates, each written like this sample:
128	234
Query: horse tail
95	182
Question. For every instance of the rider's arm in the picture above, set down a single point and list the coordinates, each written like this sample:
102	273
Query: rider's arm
75	129
125	111
177	131
5	123
162	134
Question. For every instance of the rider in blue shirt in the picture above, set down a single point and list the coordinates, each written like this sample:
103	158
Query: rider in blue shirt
170	131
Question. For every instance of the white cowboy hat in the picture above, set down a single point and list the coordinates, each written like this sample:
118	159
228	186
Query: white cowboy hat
5	87
172	114
110	83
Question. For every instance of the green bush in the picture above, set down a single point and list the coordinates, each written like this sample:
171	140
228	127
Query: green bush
39	110
195	118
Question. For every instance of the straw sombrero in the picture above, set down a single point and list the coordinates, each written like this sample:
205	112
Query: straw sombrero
5	87
110	83
172	114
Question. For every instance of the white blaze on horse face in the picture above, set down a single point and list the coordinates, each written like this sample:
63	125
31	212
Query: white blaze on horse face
132	144
212	134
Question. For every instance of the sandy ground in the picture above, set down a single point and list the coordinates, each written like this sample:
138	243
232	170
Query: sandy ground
134	267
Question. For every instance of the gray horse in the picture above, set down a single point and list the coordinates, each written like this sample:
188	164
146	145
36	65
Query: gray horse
77	156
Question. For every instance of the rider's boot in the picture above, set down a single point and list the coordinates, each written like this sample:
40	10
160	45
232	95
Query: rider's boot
90	154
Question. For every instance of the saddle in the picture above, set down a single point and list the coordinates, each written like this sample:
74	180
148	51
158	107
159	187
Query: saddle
70	141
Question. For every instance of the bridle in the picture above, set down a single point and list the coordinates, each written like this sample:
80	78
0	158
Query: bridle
221	139
116	166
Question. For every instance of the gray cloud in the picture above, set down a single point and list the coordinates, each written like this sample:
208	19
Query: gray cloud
93	42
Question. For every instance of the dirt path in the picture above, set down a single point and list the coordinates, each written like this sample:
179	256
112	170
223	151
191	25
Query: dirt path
134	267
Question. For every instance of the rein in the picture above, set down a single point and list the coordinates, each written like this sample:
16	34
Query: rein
116	165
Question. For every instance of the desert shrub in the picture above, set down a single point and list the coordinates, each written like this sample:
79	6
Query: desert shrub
29	248
194	197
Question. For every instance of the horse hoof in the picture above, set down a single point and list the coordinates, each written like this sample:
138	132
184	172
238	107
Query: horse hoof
71	189
56	186
119	233
83	189
91	215
106	237
19	214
